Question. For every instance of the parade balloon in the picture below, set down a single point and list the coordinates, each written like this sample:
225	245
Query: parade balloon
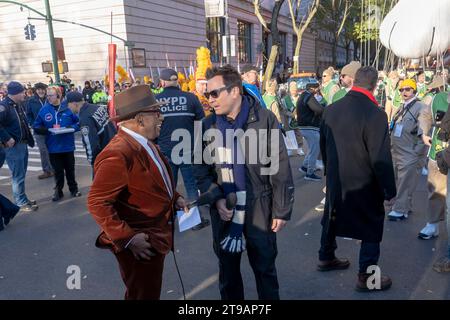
417	28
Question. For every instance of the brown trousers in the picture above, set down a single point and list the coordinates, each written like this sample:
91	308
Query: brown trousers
437	192
142	278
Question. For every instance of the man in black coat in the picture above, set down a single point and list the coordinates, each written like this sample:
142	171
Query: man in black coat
88	92
96	128
264	189
355	146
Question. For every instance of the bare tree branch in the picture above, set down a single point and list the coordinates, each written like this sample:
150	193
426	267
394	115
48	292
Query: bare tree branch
311	15
256	4
293	16
344	18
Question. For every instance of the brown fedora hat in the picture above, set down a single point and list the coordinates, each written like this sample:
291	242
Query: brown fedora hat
130	102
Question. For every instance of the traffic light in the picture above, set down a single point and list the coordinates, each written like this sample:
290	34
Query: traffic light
32	32
27	32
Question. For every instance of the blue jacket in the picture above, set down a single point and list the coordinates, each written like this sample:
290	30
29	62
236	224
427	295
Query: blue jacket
33	106
58	143
254	91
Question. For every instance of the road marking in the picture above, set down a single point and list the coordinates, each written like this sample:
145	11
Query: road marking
34	160
31	168
76	155
202	286
4	177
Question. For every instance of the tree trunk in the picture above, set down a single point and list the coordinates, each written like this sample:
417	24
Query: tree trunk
275	43
270	65
347	53
298	47
334	53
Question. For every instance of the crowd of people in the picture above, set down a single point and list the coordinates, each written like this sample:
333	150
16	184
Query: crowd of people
372	135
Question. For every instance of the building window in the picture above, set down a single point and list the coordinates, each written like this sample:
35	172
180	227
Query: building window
244	42
215	28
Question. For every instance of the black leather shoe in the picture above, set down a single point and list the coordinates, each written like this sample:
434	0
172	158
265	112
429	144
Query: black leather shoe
58	195
76	194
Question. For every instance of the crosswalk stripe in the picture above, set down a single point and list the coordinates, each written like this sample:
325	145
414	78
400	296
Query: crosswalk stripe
31	168
81	154
34	160
4	178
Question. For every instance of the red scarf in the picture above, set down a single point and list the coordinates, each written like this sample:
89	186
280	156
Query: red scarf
365	92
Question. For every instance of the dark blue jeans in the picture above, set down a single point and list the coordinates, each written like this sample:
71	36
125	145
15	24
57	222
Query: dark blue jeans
17	160
188	178
368	254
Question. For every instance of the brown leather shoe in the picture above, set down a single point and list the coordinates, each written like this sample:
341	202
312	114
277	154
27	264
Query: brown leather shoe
336	264
46	175
361	284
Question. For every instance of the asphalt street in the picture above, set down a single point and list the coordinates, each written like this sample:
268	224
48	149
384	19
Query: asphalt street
37	248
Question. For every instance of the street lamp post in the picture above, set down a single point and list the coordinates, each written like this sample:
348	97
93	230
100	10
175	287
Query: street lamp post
49	19
52	41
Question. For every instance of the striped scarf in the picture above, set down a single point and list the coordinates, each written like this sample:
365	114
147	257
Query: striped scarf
233	177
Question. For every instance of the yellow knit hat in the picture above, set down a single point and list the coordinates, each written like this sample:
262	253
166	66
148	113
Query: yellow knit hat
408	83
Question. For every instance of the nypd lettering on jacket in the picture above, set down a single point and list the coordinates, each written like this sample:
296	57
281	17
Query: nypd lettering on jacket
175	105
96	129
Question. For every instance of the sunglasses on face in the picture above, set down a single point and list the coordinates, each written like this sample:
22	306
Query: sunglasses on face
405	89
216	93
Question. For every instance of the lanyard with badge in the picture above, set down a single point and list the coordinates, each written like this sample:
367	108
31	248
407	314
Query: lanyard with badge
398	127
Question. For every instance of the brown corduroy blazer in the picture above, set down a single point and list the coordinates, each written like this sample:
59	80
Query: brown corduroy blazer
128	196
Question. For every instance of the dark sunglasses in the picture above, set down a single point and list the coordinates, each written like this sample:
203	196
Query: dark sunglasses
216	93
405	89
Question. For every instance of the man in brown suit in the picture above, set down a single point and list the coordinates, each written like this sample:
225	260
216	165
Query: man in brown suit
133	196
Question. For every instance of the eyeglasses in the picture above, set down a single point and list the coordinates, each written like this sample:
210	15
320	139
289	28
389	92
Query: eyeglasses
156	112
216	93
405	89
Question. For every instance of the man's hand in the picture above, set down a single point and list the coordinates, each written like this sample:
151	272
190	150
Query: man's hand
181	205
278	224
140	247
427	140
10	143
224	213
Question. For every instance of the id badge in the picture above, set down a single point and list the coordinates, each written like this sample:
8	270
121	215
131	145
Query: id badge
398	130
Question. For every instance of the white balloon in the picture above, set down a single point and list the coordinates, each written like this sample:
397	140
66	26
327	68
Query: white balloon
417	28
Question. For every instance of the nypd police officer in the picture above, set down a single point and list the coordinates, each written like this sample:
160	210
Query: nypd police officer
180	110
96	129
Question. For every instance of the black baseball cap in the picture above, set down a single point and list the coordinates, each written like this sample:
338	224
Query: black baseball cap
74	96
168	75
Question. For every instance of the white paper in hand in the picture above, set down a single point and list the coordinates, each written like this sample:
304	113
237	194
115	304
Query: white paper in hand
188	220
